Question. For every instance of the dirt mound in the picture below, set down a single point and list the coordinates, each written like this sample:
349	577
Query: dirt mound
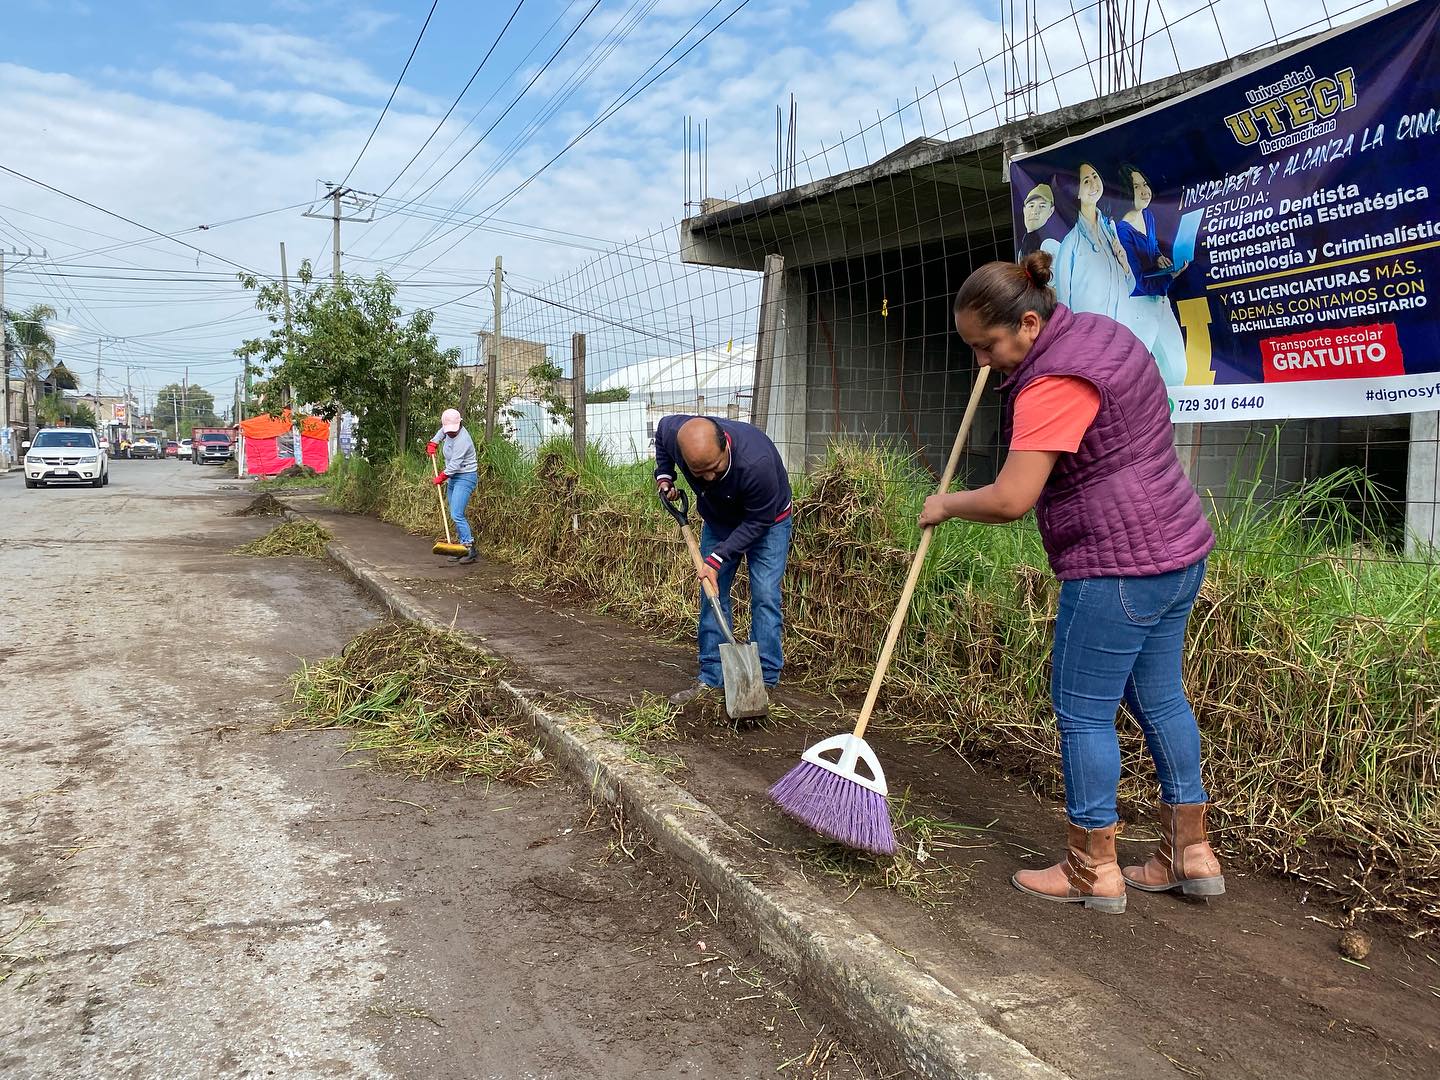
291	472
262	506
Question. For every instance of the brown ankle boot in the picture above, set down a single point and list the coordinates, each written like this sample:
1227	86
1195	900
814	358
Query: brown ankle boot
1184	859
1090	875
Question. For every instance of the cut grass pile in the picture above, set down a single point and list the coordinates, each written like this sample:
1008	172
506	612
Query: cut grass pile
921	870
304	538
1313	657
420	702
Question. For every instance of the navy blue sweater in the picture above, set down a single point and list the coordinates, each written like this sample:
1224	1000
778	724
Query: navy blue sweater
753	495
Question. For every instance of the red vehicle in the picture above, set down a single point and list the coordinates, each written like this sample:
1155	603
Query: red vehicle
212	446
172	448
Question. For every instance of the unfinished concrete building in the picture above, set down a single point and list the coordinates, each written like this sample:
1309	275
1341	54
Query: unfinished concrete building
863	266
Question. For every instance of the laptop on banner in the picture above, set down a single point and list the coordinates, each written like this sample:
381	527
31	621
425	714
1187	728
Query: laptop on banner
1183	253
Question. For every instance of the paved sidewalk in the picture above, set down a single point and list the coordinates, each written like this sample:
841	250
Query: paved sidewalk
1250	986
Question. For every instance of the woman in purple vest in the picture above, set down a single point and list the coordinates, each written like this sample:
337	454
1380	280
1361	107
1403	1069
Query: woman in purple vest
1087	423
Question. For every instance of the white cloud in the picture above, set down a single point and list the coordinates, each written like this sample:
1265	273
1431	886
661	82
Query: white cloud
872	23
306	104
277	55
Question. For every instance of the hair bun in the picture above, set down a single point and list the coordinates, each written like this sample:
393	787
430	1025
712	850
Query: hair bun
1037	268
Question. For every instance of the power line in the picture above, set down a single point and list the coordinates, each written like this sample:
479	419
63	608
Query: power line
130	221
454	104
394	90
533	80
514	71
629	94
598	54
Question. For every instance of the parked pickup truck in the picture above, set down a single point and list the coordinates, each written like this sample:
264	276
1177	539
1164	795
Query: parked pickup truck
146	446
211	446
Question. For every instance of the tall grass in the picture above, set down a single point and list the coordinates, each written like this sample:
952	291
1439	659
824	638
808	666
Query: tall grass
1313	658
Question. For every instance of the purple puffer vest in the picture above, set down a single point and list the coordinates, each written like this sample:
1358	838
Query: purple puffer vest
1121	505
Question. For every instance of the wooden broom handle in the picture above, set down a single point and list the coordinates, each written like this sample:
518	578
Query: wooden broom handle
444	513
902	609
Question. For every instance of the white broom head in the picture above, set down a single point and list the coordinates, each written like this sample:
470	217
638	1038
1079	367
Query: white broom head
849	752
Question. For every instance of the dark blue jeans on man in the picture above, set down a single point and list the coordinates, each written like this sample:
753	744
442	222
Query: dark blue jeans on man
1123	638
766	559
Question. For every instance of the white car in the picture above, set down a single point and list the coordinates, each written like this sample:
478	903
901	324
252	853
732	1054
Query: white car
186	448
66	455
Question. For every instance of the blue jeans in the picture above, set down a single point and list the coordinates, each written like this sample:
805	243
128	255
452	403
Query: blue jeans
766	559
1124	638
460	488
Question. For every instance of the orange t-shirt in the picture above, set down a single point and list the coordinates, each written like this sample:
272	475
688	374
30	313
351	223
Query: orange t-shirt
1053	413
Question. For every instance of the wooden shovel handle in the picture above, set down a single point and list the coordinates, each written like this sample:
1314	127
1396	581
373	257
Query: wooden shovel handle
902	609
695	557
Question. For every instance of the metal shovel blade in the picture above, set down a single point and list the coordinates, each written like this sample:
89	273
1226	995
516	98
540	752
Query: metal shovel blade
745	694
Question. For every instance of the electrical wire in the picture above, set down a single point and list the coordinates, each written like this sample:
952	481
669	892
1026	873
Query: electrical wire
393	91
458	97
130	221
625	97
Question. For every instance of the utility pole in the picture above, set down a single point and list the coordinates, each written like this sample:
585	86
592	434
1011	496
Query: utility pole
5	363
577	384
184	402
361	202
294	405
5	357
492	365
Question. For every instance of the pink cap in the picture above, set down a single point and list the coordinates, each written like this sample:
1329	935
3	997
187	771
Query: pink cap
450	420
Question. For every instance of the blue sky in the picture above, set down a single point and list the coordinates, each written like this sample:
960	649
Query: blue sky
182	114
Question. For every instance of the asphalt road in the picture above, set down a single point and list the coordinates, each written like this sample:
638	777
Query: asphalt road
185	892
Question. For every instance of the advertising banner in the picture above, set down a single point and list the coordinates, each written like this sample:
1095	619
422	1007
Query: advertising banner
1271	237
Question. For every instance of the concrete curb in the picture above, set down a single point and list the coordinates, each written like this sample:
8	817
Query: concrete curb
895	1011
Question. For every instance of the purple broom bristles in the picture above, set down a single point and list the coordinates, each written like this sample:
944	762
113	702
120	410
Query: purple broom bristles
836	807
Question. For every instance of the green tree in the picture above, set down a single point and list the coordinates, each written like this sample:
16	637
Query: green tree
193	407
349	348
606	397
545	378
34	351
84	416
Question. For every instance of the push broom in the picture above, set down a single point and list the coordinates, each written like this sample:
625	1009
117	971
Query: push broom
446	546
832	796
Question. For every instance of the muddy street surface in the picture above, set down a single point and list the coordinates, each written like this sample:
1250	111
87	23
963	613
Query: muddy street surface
1251	986
186	892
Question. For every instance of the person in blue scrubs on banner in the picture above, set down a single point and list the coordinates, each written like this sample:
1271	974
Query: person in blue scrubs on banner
1091	271
1149	313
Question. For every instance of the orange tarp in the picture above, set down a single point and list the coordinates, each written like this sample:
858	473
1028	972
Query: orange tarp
267	427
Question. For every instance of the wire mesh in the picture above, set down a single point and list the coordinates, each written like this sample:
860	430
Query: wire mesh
876	235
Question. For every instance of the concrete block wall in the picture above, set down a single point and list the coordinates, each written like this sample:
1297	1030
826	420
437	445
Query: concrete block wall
880	342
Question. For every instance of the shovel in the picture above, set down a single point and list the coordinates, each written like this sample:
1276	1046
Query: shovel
740	670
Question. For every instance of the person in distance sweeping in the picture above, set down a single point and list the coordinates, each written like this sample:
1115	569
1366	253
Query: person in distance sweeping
743	494
461	470
1088	425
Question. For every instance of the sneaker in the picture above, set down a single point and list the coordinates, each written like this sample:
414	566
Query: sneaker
691	692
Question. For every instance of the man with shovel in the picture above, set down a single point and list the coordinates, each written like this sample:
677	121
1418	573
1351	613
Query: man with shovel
743	494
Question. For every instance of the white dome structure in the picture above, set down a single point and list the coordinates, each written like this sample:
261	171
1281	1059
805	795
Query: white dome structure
719	375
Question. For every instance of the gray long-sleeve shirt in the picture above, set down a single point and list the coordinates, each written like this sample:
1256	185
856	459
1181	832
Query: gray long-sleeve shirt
459	452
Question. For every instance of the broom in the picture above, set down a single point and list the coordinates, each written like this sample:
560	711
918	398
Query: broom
446	546
832	796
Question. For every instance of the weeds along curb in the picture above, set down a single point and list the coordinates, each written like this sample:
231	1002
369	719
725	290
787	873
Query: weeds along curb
894	1010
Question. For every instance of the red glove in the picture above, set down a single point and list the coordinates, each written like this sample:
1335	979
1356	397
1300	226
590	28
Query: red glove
430	448
440	479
